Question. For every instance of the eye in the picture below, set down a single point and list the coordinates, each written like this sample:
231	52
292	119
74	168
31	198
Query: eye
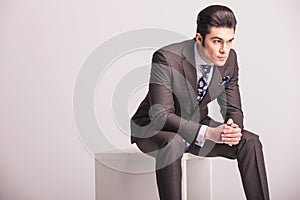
230	41
217	41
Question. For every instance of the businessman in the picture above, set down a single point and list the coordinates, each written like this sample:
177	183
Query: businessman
173	117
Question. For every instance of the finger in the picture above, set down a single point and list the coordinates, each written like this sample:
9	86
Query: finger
229	122
231	140
231	135
234	126
228	130
232	143
220	140
231	125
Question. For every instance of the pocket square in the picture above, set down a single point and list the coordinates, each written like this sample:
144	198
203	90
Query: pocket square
224	80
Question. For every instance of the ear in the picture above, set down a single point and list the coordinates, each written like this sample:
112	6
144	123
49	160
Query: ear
199	39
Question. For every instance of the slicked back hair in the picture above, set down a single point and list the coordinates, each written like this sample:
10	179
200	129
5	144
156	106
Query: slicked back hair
217	16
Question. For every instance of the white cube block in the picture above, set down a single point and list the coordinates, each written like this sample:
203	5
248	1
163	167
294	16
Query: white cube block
130	175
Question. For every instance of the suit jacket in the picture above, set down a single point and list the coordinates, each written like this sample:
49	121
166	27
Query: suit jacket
171	102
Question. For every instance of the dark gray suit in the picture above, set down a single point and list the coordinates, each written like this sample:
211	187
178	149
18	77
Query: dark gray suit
170	113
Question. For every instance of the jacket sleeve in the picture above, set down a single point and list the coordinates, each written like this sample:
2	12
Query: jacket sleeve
161	96
230	100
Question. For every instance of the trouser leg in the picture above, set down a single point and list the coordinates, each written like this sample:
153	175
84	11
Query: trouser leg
167	148
252	167
169	181
250	160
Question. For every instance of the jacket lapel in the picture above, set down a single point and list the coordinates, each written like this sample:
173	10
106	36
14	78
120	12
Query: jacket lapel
214	88
190	74
189	70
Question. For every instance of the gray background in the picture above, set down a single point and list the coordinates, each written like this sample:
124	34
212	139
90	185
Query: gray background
44	43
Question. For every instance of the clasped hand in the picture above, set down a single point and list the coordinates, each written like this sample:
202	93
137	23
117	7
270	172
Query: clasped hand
228	133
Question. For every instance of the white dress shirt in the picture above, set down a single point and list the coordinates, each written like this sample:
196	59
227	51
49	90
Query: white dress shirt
199	61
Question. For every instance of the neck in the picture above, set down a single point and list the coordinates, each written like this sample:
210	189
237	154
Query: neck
204	55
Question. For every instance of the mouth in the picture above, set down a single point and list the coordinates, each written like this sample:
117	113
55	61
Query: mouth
222	58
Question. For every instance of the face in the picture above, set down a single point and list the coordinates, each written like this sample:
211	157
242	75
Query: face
217	45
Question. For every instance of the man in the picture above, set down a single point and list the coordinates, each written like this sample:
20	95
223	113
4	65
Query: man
173	117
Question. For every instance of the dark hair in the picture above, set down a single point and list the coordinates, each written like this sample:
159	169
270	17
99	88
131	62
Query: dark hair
215	15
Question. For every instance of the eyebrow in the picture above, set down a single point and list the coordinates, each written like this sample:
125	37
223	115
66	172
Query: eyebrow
213	38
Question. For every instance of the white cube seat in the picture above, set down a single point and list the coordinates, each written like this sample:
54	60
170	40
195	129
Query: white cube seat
130	175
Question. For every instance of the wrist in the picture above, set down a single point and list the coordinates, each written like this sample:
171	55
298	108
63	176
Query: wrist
207	133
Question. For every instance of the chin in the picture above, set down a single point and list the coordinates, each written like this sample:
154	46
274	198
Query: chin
220	64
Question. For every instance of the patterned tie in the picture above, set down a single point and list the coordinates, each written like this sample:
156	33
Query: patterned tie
203	84
202	87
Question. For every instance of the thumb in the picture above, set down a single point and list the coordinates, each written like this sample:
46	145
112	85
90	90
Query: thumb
229	122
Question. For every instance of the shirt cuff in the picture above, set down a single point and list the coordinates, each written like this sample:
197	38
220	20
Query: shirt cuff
200	138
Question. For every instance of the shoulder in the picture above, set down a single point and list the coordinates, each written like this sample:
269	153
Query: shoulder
174	50
178	47
232	53
232	58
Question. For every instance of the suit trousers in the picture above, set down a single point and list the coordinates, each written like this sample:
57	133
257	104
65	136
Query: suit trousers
168	148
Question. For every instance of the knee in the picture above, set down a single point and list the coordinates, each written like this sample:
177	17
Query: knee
170	140
172	145
175	144
249	148
251	139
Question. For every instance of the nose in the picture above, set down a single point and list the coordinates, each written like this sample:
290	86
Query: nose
223	48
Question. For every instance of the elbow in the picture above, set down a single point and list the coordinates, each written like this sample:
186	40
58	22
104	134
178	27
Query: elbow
158	116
